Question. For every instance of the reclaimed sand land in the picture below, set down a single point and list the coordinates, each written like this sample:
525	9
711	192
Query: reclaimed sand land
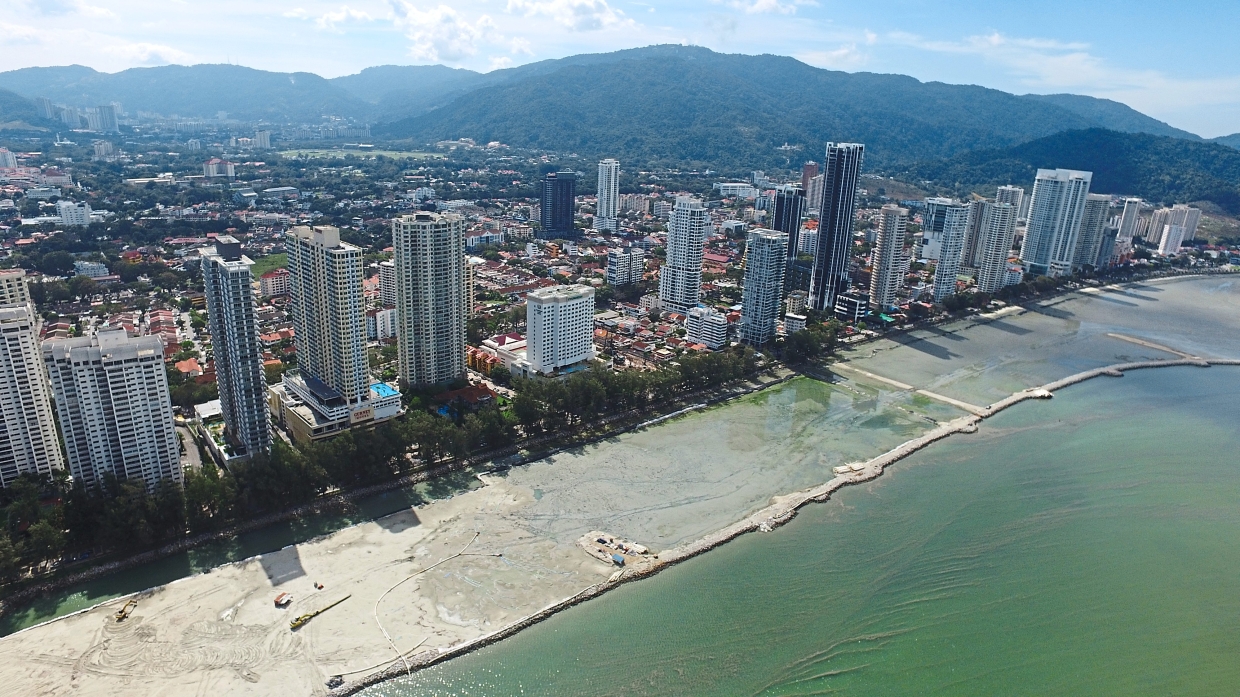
219	633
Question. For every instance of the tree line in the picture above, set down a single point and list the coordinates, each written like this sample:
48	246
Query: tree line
51	518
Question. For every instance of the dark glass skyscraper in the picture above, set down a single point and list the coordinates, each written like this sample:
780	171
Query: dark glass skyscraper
787	211
840	172
559	196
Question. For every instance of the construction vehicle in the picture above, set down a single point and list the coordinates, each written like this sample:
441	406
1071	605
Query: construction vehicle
301	621
125	611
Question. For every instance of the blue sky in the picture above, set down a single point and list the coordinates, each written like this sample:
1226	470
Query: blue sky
1175	61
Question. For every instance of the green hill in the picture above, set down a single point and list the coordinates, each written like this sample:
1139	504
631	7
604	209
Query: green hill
194	91
1157	168
19	114
1112	115
1232	140
672	105
689	105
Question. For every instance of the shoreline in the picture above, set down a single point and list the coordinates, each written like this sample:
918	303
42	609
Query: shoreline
340	501
782	510
544	576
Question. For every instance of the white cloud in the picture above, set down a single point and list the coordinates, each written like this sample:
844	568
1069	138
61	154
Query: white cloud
331	19
846	56
1049	65
769	6
518	45
441	33
500	62
95	12
578	15
148	54
19	34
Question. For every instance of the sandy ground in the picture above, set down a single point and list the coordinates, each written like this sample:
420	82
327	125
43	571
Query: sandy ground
220	634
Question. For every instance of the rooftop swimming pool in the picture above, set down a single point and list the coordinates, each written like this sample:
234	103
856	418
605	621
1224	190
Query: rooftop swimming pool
384	390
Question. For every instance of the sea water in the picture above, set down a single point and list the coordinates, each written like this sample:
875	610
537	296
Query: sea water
1081	545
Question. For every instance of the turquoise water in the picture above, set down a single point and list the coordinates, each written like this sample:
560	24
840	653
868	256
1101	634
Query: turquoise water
1081	545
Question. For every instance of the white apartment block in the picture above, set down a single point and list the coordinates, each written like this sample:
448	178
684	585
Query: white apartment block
1013	195
381	324
888	261
13	287
625	265
1055	213
1172	237
28	440
766	257
608	207
1128	219
1178	215
1093	225
90	269
950	221
325	290
114	408
996	232
430	296
387	283
73	214
232	319
704	325
680	278
274	282
559	323
634	203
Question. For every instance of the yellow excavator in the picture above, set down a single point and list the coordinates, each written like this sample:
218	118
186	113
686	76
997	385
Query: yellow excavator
301	620
123	613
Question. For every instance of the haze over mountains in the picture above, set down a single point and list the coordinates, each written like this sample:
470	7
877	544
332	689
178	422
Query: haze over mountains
660	105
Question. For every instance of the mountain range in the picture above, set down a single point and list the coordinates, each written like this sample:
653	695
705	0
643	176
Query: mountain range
660	105
682	104
1160	169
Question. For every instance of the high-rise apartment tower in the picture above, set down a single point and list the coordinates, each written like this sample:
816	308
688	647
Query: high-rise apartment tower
840	172
328	313
996	231
233	320
1055	213
559	206
430	297
766	258
680	278
608	196
114	408
950	221
889	264
28	440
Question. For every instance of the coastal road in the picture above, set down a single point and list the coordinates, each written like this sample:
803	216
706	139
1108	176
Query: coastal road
191	459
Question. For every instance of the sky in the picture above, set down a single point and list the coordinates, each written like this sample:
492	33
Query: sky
1176	61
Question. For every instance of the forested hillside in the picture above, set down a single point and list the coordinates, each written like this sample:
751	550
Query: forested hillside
1157	168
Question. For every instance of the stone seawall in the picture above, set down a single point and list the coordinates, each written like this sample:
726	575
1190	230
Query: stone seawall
780	511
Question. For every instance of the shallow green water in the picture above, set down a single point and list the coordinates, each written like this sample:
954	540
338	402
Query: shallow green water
1083	545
